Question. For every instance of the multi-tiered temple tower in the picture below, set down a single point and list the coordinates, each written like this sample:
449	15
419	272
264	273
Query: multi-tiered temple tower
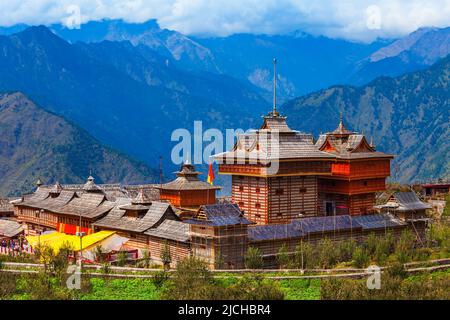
357	174
279	174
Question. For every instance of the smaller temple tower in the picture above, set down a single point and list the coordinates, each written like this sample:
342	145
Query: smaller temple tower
139	205
187	190
357	174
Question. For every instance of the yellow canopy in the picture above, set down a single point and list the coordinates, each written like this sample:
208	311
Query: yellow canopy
56	240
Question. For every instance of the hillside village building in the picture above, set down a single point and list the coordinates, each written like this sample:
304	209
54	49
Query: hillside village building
323	189
408	207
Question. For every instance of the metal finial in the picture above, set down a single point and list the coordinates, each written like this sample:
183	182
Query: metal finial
275	113
341	117
187	160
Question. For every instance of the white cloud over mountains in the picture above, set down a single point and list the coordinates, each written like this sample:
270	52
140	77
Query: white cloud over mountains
362	20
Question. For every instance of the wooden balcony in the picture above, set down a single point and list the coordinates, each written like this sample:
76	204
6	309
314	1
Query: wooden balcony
351	187
361	169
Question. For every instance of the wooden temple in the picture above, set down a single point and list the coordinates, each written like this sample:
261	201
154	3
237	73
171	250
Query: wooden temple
269	196
357	174
56	208
338	174
187	191
286	188
149	225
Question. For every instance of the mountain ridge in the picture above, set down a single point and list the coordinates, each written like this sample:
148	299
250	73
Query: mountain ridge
36	144
126	113
406	115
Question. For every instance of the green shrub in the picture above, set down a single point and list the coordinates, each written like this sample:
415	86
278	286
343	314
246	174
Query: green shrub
160	278
8	285
305	256
382	250
122	258
392	288
439	234
218	260
423	254
327	255
192	280
146	259
105	267
360	258
397	269
165	255
254	287
99	254
371	244
346	249
446	211
253	258
405	247
283	258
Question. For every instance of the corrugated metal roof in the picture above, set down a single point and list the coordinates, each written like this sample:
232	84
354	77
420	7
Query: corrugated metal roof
378	221
312	225
10	228
409	201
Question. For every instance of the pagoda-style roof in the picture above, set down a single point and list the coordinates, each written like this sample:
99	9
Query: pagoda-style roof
275	122
89	203
90	185
187	179
341	130
118	220
346	144
274	141
57	188
140	203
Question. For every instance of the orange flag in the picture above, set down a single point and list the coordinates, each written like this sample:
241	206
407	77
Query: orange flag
210	174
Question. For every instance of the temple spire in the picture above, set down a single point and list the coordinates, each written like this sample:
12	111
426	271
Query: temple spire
275	112
341	130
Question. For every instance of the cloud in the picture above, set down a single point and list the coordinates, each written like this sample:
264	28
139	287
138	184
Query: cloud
361	20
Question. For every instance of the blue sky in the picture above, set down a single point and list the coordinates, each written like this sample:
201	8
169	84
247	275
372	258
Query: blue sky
360	20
